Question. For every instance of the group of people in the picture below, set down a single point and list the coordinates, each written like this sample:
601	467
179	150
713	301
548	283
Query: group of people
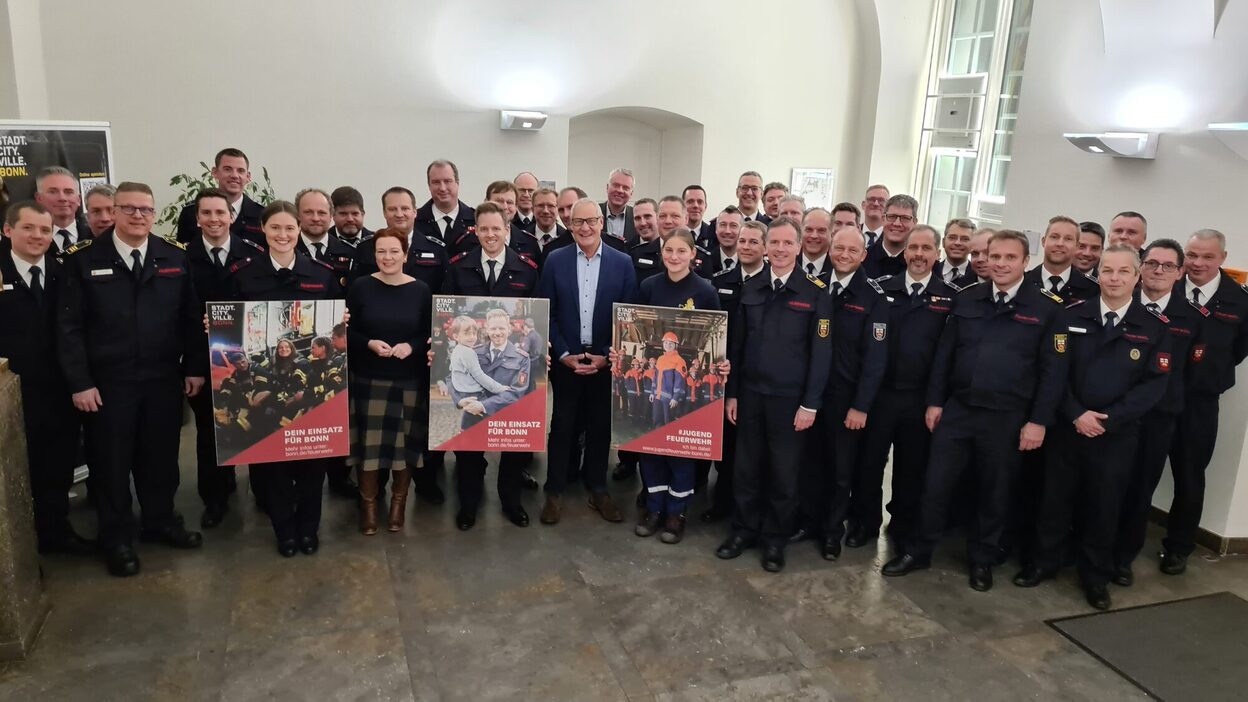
649	383
1035	404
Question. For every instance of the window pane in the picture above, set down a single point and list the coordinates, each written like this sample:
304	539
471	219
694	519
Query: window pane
984	59
988	18
964	12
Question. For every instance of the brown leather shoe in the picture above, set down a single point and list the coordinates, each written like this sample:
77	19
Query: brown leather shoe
673	530
368	502
550	511
400	481
602	503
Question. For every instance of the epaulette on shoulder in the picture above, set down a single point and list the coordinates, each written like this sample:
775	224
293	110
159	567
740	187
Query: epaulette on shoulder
437	241
1156	312
531	262
1076	303
322	264
239	265
175	242
524	232
702	249
875	284
718	273
82	244
818	283
457	257
252	244
1051	295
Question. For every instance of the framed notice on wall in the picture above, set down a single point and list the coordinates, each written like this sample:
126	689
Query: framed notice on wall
85	148
814	185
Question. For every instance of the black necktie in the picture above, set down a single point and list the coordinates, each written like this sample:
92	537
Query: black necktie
1196	295
493	354
546	240
1111	318
320	251
836	289
1154	307
491	279
915	289
66	238
810	269
447	232
36	286
1001	299
777	284
217	258
1055	283
953	274
136	268
727	264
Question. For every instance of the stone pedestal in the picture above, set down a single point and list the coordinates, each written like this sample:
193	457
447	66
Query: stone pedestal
23	606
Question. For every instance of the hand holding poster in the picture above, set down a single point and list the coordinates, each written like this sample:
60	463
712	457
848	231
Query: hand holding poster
488	381
279	383
667	390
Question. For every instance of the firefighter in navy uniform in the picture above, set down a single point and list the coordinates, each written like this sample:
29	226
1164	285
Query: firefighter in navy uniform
777	398
727	284
290	490
131	344
1220	345
210	254
1120	363
919	303
1161	270
859	359
29	295
1057	273
995	385
510	275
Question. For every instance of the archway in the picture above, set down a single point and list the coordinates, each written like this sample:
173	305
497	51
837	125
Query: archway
662	149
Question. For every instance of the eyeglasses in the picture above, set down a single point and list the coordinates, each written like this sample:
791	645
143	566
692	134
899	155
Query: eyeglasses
877	200
1165	267
578	222
898	218
526	191
750	188
132	210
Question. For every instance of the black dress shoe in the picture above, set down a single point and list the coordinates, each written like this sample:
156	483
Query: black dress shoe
831	549
1098	596
773	558
981	577
516	515
213	516
732	547
288	548
1173	563
309	544
1031	576
527	481
176	536
904	565
622	472
801	534
122	561
431	494
465	520
69	542
860	537
1124	577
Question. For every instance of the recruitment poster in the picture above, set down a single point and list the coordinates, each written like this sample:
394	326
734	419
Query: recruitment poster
488	380
667	394
279	380
85	148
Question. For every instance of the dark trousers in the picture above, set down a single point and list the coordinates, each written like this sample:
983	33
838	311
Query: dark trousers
987	440
897	422
1087	478
53	435
425	478
769	457
292	490
1156	434
136	430
722	497
577	396
215	483
470	478
1190	453
841	448
668	481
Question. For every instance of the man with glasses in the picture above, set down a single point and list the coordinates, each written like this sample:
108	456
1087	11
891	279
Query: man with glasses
955	269
749	192
885	258
131	346
526	185
873	213
1161	271
1219	346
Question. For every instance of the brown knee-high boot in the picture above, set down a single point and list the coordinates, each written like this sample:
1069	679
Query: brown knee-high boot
400	481
368	502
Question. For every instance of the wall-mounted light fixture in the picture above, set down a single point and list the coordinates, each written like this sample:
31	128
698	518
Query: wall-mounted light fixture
1117	144
521	120
1234	135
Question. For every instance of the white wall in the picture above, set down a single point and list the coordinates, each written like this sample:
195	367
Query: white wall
325	93
1177	76
597	144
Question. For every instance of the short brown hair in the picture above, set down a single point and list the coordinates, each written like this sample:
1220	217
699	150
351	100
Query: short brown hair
442	162
388	233
545	191
500	186
488	207
130	186
1060	219
207	193
233	153
346	196
775	185
848	207
1012	235
646	201
783	221
962	222
14	212
395	190
278	207
308	191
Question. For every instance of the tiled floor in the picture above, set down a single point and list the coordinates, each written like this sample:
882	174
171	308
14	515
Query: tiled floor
580	611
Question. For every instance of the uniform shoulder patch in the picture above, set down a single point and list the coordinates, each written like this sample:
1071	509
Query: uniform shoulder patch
721	272
457	257
1075	303
1052	295
966	287
1158	314
322	264
175	242
875	284
437	241
251	243
82	244
818	283
531	262
702	250
239	265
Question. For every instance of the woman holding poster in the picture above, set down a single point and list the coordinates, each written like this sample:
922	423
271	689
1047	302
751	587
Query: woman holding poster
388	341
669	480
290	490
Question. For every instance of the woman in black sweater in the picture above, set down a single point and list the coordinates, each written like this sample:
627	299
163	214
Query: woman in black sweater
681	288
387	342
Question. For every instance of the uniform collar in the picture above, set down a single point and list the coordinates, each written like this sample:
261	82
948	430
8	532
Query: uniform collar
1207	291
1010	294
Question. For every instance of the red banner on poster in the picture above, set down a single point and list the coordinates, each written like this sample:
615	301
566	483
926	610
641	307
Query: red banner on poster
520	426
697	435
321	433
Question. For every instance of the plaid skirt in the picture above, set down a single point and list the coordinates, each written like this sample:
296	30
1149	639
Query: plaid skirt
389	423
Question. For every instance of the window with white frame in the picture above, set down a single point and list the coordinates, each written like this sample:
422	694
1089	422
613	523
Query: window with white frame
974	79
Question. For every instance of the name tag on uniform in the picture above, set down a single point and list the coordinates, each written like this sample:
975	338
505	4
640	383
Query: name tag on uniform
723	291
1078	330
101	271
645	261
426	254
7	286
